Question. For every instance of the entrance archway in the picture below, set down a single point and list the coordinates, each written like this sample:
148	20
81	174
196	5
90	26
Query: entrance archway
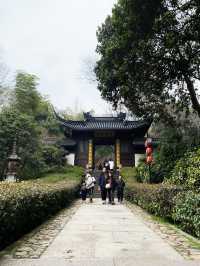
102	153
127	138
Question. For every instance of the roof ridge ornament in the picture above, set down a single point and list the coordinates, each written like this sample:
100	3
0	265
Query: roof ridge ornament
122	116
89	117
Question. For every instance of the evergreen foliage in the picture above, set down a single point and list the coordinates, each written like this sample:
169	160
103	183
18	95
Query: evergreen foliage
29	120
149	56
186	212
27	204
187	171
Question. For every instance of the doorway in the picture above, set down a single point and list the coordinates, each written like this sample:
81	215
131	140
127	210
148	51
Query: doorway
102	153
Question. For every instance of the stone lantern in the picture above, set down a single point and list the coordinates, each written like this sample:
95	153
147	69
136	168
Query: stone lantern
13	164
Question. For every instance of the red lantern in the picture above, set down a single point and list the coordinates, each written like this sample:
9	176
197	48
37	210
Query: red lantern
148	142
149	151
149	159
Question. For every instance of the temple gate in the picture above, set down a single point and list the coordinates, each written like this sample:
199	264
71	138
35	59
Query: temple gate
83	136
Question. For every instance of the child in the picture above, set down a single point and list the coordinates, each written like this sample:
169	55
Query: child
120	189
83	191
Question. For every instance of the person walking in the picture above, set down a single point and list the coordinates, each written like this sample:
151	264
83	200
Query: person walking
100	167
83	191
108	187
113	188
102	185
106	165
90	183
120	189
111	164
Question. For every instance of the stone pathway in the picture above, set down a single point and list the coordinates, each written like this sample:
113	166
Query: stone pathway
95	234
186	245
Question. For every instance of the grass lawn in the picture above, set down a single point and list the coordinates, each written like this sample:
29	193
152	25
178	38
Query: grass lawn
69	173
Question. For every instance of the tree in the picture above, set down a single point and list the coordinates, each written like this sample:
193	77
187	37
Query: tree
29	119
27	97
70	114
22	128
5	90
149	56
174	142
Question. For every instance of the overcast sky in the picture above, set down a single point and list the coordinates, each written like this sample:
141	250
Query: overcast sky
52	39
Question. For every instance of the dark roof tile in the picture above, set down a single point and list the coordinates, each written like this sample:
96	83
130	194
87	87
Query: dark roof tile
104	125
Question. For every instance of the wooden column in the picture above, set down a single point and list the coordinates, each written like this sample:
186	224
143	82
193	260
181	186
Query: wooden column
118	153
90	153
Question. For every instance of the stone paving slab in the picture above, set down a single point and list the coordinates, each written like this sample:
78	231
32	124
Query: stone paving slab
152	262
185	244
113	232
98	262
33	244
59	262
96	235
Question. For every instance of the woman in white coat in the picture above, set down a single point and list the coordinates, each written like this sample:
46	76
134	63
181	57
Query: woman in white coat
90	183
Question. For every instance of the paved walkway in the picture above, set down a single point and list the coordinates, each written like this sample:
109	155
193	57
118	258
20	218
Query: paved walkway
105	235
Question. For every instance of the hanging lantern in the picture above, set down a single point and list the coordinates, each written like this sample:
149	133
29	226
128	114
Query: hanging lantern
149	150
149	159
148	142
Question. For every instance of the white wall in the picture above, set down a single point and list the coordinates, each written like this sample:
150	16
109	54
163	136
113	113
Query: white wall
138	157
70	158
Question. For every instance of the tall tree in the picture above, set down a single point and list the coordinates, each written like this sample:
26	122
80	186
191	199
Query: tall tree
150	55
21	127
27	96
29	119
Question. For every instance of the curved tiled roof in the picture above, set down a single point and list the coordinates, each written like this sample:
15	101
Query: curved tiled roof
104	125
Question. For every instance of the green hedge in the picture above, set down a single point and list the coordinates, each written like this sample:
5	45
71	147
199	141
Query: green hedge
187	171
25	205
171	202
187	212
156	199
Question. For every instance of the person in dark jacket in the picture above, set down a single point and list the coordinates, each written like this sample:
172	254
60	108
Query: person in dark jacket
108	187
100	167
106	165
83	191
102	186
120	189
113	187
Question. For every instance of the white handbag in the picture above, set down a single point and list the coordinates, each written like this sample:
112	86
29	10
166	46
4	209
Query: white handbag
108	186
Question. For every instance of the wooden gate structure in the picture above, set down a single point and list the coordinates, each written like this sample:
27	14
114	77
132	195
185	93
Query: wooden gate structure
81	138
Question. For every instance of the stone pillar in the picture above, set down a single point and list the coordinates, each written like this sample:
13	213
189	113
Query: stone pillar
118	153
90	153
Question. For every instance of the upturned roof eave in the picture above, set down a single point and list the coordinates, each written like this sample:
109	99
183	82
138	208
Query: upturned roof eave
71	127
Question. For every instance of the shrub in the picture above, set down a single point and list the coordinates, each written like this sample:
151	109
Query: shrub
142	173
156	199
174	142
129	174
186	212
154	175
52	155
187	170
25	205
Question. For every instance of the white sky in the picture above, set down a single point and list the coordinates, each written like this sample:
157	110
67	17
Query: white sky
51	39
